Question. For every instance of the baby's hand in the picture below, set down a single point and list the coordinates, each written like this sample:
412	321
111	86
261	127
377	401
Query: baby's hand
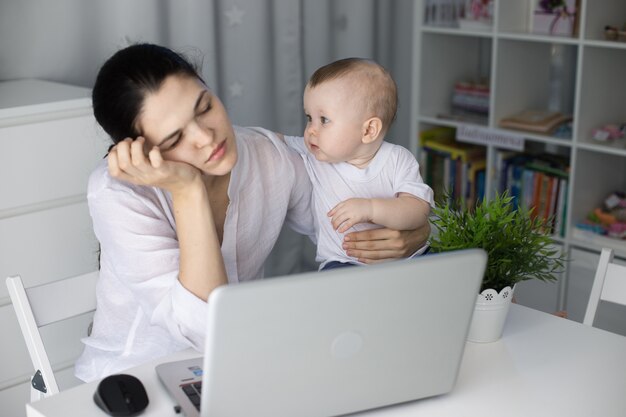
350	212
128	162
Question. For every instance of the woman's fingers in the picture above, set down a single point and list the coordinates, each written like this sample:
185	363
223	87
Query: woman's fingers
114	168
137	154
366	237
119	160
122	153
370	257
127	161
373	245
156	159
130	160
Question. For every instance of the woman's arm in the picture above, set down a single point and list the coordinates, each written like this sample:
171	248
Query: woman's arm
201	264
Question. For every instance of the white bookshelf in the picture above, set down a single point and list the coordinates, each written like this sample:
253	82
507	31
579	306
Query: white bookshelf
517	64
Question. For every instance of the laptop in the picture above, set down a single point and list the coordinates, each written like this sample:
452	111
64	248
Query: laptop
333	342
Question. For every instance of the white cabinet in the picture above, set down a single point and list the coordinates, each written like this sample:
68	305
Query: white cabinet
580	75
50	143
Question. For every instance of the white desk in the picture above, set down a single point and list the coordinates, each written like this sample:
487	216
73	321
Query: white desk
543	366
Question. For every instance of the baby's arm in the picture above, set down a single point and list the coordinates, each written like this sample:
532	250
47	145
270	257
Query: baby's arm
404	212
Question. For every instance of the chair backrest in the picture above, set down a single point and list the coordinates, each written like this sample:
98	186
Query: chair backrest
42	305
609	284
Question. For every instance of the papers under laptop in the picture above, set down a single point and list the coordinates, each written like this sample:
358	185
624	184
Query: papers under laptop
334	342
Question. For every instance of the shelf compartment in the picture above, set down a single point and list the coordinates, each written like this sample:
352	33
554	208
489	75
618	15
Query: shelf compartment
516	18
467	58
597	175
513	16
602	91
601	13
451	167
537	177
522	83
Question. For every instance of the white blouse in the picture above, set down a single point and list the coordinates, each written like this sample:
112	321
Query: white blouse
143	312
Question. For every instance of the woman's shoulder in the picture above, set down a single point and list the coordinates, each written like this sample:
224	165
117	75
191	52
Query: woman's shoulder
99	178
263	152
262	143
256	136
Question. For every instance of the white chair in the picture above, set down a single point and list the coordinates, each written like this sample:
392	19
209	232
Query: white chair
609	284
42	305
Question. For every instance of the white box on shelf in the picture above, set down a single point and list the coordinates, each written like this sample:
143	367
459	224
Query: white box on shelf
554	17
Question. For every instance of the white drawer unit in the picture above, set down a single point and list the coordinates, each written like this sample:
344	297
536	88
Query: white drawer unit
50	142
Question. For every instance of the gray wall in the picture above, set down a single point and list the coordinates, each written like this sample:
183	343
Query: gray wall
68	40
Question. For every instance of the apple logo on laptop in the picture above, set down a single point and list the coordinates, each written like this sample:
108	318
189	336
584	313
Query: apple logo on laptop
346	345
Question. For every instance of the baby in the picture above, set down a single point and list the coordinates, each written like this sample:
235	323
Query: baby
359	180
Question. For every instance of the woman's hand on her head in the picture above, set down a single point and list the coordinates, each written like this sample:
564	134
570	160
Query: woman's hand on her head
380	245
128	162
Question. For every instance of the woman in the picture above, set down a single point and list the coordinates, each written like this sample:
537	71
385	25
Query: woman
189	204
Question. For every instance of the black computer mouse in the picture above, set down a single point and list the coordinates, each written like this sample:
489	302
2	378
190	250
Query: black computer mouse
121	395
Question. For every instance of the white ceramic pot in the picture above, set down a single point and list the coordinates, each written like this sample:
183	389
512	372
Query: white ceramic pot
489	315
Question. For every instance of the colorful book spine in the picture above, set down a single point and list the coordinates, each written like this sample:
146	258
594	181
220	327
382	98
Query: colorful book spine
450	167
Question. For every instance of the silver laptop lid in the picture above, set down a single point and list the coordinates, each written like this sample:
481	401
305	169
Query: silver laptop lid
340	341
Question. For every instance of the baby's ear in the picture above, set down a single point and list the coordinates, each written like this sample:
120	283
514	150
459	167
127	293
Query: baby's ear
372	129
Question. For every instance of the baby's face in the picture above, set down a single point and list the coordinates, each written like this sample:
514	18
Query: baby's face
335	122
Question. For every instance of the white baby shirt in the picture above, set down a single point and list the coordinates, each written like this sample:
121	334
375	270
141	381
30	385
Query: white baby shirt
393	170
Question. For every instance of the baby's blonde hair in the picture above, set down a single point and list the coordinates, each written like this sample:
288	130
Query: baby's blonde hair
374	86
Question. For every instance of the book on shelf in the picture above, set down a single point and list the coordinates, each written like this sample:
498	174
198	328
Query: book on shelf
535	181
464	14
478	15
476	182
541	196
445	142
452	168
501	162
561	208
538	121
554	194
471	97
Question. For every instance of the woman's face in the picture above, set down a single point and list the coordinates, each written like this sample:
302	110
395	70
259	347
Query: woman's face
189	124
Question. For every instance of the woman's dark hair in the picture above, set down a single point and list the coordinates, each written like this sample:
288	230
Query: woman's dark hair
126	78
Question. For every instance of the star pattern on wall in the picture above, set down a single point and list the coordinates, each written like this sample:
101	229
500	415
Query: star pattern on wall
236	89
234	15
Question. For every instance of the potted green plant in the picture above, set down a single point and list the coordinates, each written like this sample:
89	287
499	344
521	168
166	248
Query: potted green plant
517	246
